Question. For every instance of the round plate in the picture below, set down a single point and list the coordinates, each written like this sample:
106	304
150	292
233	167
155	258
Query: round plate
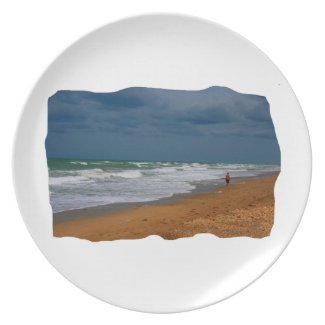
177	53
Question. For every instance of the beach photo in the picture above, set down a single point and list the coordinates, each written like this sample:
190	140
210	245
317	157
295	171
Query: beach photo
173	163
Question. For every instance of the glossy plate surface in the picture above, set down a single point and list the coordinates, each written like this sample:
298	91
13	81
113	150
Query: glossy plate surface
172	52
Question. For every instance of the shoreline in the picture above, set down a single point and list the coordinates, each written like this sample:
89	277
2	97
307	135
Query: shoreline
244	208
95	211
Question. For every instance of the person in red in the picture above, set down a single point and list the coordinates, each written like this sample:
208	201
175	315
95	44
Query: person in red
227	179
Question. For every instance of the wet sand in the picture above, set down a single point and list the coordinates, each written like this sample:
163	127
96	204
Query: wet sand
244	208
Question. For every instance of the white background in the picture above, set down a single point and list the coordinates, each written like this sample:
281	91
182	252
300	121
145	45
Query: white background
33	33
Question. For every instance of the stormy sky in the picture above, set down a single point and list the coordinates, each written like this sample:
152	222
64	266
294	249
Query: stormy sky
216	124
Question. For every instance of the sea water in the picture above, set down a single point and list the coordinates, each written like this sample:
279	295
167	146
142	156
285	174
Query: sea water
75	184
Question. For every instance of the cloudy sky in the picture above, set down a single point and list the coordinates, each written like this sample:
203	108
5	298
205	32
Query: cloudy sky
212	125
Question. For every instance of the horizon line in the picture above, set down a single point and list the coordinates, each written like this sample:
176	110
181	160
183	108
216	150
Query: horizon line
163	161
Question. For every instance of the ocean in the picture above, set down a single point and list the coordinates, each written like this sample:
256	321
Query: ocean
75	184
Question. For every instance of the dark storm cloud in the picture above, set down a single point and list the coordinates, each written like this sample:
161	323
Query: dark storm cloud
96	123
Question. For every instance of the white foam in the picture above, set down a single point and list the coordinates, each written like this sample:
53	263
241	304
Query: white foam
79	162
146	181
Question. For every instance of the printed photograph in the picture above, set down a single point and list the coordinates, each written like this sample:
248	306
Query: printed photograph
143	161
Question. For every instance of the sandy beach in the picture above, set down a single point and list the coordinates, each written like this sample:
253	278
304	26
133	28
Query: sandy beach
245	208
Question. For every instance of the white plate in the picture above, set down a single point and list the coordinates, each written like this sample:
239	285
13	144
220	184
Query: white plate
173	52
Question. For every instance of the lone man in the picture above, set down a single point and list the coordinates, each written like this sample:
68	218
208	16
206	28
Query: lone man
227	179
